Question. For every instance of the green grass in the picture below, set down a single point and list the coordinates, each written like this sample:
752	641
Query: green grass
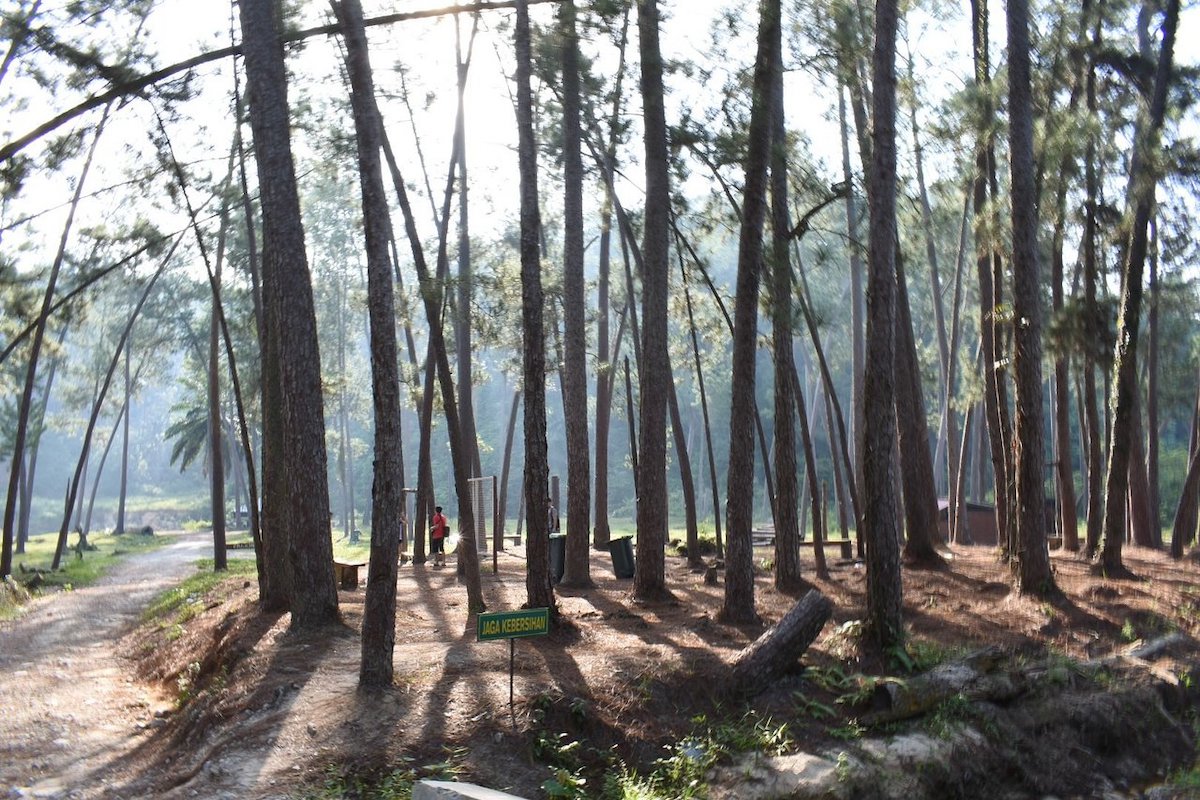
181	603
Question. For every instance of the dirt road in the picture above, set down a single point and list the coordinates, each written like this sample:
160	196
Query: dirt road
70	711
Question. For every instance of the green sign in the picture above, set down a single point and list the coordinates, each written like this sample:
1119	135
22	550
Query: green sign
514	624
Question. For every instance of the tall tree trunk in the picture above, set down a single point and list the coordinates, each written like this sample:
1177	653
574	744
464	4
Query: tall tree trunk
387	491
788	576
935	285
574	376
990	291
1152	424
686	481
708	442
286	280
1063	459
738	605
1095	455
885	626
124	488
537	473
604	364
1033	560
916	474
857	299
76	481
216	473
38	426
464	349
654	369
35	350
1142	180
506	462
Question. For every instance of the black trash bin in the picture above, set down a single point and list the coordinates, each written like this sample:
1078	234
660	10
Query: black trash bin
558	556
622	556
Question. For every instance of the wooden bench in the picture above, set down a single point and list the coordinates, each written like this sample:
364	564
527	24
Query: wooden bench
766	538
762	537
347	573
845	544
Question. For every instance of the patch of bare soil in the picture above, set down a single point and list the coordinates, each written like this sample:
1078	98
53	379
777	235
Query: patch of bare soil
259	712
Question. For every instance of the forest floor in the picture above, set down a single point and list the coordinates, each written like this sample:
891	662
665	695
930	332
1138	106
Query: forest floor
222	701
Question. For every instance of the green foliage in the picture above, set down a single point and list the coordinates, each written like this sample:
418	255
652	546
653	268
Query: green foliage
949	716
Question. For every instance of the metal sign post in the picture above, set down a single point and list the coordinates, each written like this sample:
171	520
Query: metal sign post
513	625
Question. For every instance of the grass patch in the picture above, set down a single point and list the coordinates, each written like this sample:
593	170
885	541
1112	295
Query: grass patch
177	605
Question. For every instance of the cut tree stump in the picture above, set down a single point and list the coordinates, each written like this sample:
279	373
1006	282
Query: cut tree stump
780	647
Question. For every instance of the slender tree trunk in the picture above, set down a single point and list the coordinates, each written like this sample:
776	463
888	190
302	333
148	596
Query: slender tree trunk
857	300
916	474
686	481
604	364
507	460
1063	458
101	393
1033	561
738	605
574	377
464	349
122	492
654	369
788	577
1095	459
708	442
38	427
216	473
537	473
935	286
35	350
387	492
1152	424
990	292
885	626
1142	180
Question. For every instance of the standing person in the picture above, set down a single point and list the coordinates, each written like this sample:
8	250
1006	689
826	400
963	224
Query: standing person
437	537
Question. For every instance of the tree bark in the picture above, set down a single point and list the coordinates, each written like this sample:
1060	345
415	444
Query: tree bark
654	369
387	490
1033	561
738	605
537	473
285	272
777	650
885	626
788	576
574	376
1142	180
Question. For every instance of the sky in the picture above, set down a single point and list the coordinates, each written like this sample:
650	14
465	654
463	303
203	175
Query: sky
181	28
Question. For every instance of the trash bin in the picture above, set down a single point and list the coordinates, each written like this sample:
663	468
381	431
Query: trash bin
622	556
558	556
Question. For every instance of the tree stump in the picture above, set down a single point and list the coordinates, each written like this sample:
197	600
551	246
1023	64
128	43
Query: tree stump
780	647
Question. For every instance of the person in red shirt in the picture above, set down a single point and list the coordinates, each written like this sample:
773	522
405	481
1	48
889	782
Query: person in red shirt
437	537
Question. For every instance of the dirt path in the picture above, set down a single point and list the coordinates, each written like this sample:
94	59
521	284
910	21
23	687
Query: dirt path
70	709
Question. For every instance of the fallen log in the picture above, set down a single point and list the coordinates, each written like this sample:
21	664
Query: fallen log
780	647
972	678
